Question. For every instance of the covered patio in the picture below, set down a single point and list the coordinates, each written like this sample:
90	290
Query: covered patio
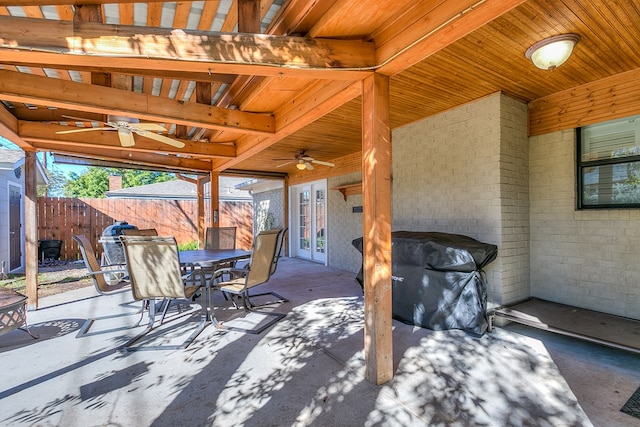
306	370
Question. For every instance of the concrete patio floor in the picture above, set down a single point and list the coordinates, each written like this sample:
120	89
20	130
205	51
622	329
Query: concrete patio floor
305	370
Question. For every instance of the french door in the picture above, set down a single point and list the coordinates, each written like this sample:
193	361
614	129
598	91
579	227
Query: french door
309	219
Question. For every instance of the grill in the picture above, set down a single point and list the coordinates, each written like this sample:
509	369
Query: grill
111	243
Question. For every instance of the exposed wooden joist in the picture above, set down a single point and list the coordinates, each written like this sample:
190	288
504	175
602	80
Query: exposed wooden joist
316	101
225	53
127	156
9	129
108	139
376	223
606	99
437	29
20	87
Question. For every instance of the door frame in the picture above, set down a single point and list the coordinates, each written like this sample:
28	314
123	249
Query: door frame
294	218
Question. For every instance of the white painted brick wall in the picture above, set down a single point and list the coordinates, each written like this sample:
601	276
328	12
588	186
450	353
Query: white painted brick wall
268	202
583	258
465	171
343	225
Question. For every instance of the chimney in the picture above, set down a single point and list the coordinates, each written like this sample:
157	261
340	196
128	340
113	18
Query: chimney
115	182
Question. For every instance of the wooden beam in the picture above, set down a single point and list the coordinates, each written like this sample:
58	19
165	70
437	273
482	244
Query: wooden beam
21	87
201	211
90	43
606	99
9	129
127	156
249	16
108	140
31	228
315	102
68	2
376	173
417	37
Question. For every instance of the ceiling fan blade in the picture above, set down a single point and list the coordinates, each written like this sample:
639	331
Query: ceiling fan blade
81	130
309	166
126	138
320	162
162	138
149	126
284	164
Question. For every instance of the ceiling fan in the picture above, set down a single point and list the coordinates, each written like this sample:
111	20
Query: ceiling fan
126	127
303	161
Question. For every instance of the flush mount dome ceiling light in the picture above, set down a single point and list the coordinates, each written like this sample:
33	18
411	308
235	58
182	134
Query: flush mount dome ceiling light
550	53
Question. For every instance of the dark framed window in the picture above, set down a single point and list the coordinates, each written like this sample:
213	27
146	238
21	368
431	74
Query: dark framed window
609	164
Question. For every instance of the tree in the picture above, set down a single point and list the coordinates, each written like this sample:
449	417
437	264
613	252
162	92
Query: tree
57	181
94	183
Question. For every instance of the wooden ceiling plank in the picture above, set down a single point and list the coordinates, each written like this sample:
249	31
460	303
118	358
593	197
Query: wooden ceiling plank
34	131
297	16
451	24
33	12
20	87
312	104
606	99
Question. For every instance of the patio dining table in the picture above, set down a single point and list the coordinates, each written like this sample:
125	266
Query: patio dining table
210	259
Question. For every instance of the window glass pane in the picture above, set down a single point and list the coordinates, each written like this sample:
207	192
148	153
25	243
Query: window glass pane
611	184
616	139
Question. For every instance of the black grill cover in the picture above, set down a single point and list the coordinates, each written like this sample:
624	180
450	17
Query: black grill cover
436	280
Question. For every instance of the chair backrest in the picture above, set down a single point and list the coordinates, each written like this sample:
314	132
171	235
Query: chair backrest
220	238
279	246
262	257
91	262
139	232
154	266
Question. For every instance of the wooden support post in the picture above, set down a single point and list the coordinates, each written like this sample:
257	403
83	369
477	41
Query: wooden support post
376	174
215	199
31	229
201	211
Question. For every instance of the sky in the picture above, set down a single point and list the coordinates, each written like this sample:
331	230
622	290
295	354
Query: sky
66	169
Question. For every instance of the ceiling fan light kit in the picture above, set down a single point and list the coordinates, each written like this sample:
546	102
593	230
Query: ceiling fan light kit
303	161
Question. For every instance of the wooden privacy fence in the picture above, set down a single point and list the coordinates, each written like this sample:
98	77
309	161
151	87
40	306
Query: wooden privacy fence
61	218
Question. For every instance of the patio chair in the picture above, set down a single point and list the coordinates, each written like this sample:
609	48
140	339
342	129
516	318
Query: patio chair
140	232
220	238
257	272
155	274
107	280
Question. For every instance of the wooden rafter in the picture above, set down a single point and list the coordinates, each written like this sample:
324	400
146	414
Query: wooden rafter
20	87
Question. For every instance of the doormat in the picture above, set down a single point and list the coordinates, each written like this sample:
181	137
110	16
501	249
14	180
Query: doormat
632	407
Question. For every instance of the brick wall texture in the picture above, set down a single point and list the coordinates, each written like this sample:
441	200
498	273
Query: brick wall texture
582	258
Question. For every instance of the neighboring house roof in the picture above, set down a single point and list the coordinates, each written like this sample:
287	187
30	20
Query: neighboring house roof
260	185
11	159
179	189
